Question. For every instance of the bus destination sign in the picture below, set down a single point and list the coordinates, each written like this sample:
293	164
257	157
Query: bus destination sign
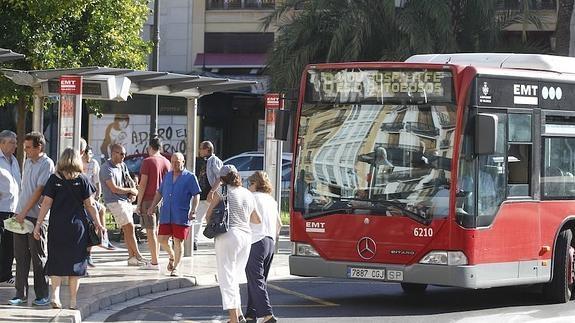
355	86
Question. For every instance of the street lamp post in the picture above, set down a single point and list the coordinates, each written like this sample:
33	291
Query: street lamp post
155	66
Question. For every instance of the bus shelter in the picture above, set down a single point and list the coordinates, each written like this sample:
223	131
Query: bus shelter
104	83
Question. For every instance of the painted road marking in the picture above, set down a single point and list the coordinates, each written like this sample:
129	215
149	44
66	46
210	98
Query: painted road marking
304	296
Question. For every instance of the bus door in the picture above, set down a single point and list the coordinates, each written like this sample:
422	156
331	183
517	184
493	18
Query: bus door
497	192
557	172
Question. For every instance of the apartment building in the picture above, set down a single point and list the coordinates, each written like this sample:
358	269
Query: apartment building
220	38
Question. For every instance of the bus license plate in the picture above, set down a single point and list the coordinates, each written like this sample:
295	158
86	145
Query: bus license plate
395	275
366	273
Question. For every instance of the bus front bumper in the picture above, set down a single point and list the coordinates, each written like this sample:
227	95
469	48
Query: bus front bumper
468	276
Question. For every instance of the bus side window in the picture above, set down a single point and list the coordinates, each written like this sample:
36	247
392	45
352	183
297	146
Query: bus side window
519	155
558	168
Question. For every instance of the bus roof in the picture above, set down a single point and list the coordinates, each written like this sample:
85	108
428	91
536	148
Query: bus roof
559	64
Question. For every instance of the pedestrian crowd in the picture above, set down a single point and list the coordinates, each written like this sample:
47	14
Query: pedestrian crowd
62	204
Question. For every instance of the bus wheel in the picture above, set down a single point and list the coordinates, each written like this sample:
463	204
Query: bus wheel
560	288
412	288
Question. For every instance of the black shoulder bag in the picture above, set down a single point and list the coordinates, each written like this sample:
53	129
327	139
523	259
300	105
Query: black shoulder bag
94	238
220	220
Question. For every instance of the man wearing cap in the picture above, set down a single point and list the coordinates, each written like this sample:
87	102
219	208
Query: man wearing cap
9	189
209	183
180	192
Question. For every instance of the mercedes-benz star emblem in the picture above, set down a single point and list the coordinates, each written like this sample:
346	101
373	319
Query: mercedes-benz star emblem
366	248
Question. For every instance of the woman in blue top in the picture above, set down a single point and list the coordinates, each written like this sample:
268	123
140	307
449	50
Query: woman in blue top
179	192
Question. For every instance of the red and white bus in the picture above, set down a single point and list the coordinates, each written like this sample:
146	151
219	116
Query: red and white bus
451	169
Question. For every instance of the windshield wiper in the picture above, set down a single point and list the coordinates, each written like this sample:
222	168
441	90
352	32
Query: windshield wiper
421	218
343	206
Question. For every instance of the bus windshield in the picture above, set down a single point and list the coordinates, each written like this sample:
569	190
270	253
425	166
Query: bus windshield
383	158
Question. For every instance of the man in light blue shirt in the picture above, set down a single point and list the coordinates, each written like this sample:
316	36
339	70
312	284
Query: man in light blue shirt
9	190
37	169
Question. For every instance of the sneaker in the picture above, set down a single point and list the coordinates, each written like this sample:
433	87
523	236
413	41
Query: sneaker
91	262
150	266
142	259
17	301
41	301
10	281
133	261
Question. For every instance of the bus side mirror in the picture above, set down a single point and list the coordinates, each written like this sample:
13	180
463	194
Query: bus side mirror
485	134
282	125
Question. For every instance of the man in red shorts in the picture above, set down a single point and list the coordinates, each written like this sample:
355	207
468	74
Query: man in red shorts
180	192
154	168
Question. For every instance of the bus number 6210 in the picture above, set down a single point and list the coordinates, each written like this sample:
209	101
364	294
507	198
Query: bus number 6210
423	232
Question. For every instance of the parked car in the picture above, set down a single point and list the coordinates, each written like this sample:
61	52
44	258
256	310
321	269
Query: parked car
134	163
249	162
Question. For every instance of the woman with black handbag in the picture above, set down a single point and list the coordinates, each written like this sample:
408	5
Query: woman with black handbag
68	195
233	246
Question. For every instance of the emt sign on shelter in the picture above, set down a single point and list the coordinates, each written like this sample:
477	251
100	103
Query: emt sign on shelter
69	117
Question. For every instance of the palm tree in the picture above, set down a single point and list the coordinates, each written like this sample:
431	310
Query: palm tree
371	30
328	31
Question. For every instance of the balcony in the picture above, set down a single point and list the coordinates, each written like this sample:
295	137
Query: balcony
392	126
240	4
331	123
423	129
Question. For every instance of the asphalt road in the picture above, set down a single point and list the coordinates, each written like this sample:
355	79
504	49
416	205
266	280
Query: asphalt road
327	300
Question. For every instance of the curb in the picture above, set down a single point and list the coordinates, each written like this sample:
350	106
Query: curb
106	299
205	281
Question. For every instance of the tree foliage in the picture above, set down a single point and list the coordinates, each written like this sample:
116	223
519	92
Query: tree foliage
66	34
317	31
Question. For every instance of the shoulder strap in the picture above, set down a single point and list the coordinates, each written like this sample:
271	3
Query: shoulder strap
225	193
77	198
126	179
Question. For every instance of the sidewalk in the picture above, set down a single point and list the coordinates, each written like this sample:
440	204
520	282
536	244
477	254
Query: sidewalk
113	282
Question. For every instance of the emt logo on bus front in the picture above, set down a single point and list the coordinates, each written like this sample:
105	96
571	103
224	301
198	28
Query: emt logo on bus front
317	227
354	86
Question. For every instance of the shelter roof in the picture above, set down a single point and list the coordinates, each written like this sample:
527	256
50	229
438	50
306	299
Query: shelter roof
7	55
142	82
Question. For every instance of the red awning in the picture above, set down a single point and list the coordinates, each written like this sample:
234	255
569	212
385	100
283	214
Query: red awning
216	60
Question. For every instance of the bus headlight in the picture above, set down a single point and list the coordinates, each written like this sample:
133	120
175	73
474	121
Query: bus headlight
303	249
450	258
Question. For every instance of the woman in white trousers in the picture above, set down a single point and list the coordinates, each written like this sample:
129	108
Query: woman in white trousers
233	247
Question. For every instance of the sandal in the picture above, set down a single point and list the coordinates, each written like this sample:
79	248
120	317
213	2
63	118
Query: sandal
171	264
56	305
174	273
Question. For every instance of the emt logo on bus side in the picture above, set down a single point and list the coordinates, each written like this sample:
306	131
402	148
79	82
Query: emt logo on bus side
525	94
